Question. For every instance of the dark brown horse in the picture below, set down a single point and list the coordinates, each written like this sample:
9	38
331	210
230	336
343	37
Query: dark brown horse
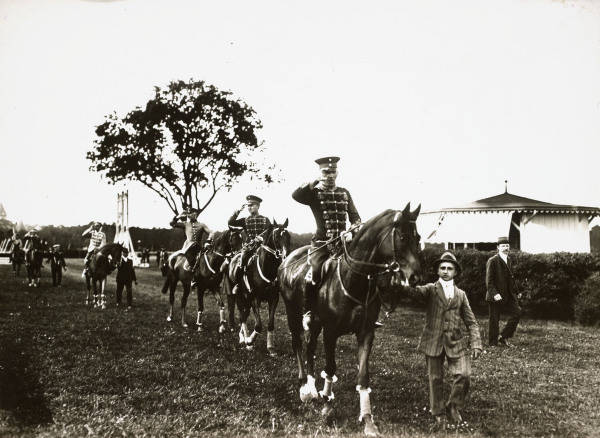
260	284
354	287
17	258
34	258
102	263
209	260
209	275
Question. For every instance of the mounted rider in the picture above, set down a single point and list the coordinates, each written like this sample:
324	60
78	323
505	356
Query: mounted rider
97	239
31	240
194	233
331	206
17	243
253	226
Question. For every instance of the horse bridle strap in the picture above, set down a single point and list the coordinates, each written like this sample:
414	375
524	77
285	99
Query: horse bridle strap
356	300
208	263
260	272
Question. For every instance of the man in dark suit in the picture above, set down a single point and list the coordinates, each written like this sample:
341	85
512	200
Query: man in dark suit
57	264
125	276
501	295
444	337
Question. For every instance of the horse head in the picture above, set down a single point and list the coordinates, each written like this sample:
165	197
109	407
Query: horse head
391	240
235	238
280	237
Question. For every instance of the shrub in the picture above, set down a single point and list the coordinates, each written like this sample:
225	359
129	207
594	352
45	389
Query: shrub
587	302
549	282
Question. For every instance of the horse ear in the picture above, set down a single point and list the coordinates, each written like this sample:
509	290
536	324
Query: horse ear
275	223
406	210
285	224
415	213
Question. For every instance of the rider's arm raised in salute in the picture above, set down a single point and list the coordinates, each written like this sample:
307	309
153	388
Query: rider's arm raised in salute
175	223
234	221
304	193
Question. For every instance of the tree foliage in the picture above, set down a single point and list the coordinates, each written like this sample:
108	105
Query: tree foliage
190	141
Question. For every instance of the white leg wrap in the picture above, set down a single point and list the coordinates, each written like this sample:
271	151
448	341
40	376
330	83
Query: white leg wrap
250	339
199	318
308	391
243	333
365	402
270	340
222	315
327	391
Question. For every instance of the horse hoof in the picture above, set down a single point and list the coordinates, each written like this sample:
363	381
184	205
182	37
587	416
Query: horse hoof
271	352
200	328
327	411
184	325
249	347
169	319
222	329
370	428
103	306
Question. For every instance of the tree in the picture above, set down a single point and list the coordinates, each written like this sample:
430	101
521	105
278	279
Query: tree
190	141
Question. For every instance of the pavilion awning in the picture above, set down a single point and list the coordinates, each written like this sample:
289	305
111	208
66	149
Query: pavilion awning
463	227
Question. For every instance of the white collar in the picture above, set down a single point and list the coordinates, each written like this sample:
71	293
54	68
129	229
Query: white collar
503	257
446	284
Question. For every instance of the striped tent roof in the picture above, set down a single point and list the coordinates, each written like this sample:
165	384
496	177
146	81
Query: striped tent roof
509	202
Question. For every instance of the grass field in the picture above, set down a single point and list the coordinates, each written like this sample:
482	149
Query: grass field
67	370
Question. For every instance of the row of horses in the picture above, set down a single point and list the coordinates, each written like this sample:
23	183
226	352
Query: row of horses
369	275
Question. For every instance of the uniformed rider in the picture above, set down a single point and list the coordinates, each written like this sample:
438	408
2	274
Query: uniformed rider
254	224
331	206
31	239
97	239
195	232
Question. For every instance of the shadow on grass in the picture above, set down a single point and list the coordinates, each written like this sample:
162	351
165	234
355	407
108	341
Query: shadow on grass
21	393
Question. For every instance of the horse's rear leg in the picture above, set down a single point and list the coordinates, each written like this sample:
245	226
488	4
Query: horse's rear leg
218	292
186	293
172	287
365	342
102	296
244	310
273	300
255	305
228	292
328	374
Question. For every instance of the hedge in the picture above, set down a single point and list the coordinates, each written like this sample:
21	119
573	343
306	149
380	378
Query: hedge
550	283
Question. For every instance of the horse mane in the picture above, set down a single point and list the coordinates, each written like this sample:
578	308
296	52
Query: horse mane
367	226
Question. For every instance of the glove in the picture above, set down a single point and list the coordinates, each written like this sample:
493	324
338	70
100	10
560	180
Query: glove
347	235
259	239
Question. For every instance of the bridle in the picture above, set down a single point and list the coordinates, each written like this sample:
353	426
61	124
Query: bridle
380	269
278	253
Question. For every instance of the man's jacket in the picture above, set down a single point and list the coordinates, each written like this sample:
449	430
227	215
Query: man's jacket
499	279
449	325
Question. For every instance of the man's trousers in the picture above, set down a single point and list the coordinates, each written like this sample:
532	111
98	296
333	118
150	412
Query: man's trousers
460	369
510	308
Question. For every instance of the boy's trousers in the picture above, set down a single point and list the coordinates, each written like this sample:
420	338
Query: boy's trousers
460	370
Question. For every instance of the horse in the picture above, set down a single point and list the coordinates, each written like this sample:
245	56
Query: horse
367	275
176	273
260	284
101	264
210	273
34	257
17	258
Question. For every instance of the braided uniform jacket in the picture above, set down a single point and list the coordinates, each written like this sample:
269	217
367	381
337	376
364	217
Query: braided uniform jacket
331	209
253	225
96	239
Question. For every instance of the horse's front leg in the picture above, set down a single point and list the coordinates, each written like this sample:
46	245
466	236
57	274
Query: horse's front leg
218	292
293	309
200	296
102	298
365	342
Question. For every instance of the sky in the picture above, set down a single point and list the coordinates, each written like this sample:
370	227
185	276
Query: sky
429	102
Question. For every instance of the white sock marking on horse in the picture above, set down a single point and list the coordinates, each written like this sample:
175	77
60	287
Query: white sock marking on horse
270	339
243	333
365	402
222	314
250	339
328	386
199	318
308	391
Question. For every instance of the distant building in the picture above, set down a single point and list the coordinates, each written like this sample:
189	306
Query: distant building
2	212
531	226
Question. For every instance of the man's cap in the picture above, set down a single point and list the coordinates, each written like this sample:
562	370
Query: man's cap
502	239
448	257
328	162
56	246
253	199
